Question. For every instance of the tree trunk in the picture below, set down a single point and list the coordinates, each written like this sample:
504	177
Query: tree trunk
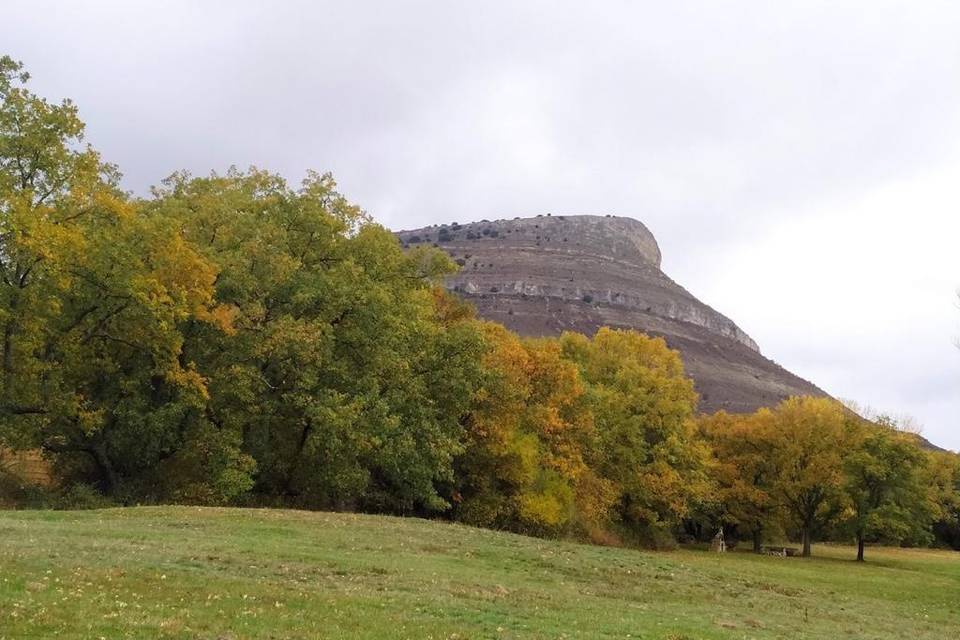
8	331
806	542
108	474
757	540
294	469
7	350
859	547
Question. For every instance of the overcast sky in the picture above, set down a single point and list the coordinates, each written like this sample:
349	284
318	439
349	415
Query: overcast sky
799	163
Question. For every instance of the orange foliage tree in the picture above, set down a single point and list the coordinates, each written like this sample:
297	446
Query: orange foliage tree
528	440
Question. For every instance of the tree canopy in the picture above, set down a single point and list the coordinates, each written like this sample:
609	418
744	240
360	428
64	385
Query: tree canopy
235	339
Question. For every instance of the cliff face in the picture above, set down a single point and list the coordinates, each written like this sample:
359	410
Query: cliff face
545	275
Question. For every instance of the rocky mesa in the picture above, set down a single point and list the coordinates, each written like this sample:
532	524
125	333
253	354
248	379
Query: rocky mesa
549	274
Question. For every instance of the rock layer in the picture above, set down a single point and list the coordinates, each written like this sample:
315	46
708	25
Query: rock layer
548	274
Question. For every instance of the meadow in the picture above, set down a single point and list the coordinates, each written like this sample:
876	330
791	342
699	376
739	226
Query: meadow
229	574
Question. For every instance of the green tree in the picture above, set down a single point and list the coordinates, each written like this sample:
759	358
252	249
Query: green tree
884	485
340	372
91	297
228	330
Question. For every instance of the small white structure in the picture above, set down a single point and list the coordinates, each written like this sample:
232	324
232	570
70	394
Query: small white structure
718	544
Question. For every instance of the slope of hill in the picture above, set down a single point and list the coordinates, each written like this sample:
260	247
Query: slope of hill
544	275
219	574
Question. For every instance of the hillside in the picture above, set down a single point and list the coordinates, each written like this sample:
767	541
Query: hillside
544	275
237	574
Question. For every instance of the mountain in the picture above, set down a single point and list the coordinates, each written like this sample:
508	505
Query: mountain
545	275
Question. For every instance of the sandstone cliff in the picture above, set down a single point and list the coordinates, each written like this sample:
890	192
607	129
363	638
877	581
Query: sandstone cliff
548	274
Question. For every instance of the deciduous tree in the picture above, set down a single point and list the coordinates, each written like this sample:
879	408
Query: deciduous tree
341	371
811	437
884	486
530	436
92	294
643	407
743	469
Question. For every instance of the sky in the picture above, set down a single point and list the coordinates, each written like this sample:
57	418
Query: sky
798	162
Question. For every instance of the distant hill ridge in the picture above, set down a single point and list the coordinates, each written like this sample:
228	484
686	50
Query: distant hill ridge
547	274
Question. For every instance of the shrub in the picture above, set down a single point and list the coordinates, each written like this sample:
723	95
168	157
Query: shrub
83	496
17	494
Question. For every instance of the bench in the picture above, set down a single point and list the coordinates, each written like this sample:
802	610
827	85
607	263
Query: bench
783	552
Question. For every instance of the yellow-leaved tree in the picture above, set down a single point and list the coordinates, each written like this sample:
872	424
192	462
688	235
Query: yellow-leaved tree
643	406
809	439
528	440
743	470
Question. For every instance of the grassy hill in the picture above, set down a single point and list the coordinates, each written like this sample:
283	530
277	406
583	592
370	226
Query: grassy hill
183	572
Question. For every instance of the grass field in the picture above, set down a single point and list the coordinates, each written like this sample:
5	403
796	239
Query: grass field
183	572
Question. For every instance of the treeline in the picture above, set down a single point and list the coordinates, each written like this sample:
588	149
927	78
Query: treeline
810	468
235	340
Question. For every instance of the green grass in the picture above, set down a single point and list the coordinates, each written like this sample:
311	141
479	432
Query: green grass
183	572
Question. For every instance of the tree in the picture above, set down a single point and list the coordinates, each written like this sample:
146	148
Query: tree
529	437
883	483
343	372
228	333
942	475
810	438
743	469
643	407
91	296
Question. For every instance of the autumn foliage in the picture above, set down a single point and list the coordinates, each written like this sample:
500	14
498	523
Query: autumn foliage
233	339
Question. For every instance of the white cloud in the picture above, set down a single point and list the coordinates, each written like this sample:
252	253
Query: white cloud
858	294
